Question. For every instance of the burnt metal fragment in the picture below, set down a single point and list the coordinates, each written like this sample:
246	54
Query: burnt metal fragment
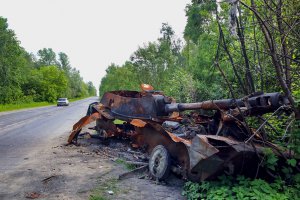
197	146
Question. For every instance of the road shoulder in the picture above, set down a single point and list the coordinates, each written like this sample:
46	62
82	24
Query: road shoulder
56	171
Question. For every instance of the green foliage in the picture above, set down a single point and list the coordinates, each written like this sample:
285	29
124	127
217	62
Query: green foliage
155	62
159	64
199	16
202	35
119	78
64	62
91	89
100	193
14	65
125	164
292	162
242	188
47	57
270	160
53	84
97	197
47	84
294	141
182	86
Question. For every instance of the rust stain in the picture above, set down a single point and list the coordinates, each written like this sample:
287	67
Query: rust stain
81	123
138	123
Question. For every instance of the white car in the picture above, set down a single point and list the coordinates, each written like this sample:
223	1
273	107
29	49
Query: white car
62	102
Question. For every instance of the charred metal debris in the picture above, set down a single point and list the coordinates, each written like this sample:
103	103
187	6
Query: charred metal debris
193	145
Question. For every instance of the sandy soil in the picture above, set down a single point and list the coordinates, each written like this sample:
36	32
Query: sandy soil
91	170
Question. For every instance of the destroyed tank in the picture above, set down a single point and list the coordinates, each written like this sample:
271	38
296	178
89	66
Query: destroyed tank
193	144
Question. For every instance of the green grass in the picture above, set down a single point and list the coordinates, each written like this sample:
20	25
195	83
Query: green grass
18	106
10	107
125	164
101	192
97	197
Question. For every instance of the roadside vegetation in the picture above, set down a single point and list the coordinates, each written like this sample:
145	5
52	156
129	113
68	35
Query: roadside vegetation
101	192
23	105
241	188
10	107
230	50
29	80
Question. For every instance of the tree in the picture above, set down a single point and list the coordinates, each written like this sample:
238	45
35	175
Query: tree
47	57
46	84
53	83
64	62
155	61
182	86
91	89
119	78
199	16
75	84
14	65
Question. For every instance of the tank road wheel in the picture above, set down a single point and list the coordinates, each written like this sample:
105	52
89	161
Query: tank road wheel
160	162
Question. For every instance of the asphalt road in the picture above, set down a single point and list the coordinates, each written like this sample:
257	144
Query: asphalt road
23	131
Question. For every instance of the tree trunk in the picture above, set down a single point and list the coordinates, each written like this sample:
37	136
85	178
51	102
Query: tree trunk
250	84
285	51
230	57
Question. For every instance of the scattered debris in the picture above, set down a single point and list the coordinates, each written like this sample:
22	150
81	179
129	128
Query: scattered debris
33	195
136	163
46	180
133	172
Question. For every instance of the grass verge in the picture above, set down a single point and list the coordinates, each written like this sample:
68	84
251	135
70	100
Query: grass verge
101	192
10	107
18	106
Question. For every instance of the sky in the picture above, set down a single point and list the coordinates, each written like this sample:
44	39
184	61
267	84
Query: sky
93	33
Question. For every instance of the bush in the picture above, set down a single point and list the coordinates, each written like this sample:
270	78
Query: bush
242	188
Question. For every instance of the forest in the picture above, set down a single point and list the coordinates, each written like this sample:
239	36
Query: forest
44	77
231	49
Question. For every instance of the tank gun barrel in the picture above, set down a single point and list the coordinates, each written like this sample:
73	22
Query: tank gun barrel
134	105
264	102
